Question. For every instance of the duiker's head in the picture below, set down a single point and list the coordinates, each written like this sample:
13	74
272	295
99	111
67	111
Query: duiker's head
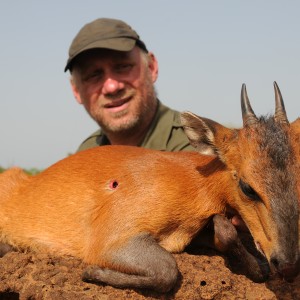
261	160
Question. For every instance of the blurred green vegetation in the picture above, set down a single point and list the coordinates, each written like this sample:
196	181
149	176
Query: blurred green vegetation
32	171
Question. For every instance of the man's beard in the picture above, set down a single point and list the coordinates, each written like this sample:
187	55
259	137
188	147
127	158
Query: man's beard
145	110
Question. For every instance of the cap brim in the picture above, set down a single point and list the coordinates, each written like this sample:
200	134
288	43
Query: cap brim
119	44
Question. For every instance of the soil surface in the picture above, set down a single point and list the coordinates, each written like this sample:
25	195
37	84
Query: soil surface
203	275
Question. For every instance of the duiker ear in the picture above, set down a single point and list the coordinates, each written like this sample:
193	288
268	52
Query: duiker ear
201	132
296	126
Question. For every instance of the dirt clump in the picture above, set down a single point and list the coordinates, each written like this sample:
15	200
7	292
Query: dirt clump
203	275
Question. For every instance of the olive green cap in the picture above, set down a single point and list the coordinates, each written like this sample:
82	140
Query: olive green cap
104	33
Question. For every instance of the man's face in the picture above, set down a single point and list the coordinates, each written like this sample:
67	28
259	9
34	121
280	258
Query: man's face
115	87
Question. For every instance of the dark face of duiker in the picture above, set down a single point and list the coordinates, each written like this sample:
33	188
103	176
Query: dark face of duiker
267	178
260	159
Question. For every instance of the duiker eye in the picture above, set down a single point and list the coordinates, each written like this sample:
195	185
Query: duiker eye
248	190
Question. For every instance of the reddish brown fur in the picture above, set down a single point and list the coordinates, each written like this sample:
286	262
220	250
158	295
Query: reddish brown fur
81	195
295	127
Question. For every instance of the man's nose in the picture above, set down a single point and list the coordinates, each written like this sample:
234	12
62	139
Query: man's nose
112	86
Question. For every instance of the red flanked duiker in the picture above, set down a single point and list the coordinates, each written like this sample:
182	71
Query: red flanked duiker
123	209
262	158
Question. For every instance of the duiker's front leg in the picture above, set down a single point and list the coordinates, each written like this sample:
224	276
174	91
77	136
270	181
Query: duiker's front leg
5	248
224	237
141	263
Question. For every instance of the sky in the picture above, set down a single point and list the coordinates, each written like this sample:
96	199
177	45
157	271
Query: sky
206	50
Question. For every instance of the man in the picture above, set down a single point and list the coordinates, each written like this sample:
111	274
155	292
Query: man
113	76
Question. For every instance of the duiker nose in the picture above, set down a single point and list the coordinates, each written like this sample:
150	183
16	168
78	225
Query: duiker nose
287	270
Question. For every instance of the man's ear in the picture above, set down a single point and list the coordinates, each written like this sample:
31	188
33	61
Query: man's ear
153	66
75	90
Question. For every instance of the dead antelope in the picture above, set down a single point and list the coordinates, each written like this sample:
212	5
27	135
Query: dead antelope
124	209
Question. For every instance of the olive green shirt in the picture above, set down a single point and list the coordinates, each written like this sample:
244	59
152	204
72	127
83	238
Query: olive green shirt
165	133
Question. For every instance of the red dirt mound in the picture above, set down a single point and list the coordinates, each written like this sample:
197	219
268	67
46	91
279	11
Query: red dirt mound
203	276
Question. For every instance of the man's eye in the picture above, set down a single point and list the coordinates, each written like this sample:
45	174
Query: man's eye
124	67
93	76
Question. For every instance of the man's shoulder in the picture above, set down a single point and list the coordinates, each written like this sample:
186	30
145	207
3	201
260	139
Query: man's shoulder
91	141
167	133
168	115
